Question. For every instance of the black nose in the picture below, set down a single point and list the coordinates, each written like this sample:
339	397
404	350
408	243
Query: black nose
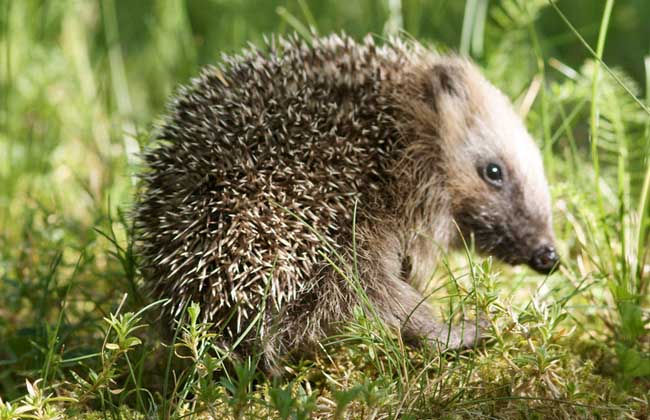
545	260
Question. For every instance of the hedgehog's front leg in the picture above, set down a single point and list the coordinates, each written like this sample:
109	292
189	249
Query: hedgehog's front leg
402	307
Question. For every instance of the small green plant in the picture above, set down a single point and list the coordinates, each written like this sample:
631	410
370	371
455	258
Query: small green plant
35	405
239	387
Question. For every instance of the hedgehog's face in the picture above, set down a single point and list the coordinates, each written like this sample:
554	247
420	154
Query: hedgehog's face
498	191
507	209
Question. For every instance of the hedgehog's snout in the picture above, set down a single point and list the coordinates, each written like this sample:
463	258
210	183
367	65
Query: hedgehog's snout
545	260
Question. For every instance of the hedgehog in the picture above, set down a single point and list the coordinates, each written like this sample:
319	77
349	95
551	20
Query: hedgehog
292	179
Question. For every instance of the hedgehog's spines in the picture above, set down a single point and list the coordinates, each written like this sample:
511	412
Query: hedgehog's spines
309	127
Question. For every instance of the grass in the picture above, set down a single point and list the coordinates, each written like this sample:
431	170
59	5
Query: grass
81	83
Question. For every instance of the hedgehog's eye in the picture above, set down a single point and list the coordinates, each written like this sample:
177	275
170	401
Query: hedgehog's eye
493	174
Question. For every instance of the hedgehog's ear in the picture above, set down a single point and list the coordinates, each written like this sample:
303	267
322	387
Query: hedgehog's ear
446	80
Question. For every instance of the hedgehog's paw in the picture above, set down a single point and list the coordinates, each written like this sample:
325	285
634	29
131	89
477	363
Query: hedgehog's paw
466	335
